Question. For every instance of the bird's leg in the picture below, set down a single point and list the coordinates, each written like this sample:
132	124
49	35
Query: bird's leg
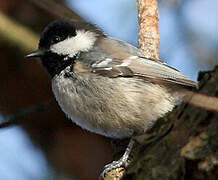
122	162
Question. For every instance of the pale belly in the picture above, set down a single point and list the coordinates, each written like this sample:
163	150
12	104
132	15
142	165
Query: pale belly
108	110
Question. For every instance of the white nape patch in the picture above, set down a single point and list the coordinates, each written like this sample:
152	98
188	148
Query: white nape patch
82	42
103	63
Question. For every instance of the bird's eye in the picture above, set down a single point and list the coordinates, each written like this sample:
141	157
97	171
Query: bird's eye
56	39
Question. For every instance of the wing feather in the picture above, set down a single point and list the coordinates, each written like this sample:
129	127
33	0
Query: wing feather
141	67
123	59
153	69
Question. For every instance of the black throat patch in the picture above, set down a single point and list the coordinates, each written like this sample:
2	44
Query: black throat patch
55	63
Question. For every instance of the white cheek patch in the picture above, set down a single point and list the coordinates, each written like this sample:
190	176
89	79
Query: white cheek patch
82	42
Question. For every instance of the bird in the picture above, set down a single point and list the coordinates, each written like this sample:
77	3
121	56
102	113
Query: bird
106	85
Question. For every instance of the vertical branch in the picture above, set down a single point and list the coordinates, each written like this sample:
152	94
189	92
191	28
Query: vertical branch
149	35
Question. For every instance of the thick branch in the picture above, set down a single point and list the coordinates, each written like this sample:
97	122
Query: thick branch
149	36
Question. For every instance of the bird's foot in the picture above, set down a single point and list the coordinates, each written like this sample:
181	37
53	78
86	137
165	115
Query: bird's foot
122	162
114	165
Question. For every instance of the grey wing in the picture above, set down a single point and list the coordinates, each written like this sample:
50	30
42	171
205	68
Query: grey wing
144	68
158	70
123	59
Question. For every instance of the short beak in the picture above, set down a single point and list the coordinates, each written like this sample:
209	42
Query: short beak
35	54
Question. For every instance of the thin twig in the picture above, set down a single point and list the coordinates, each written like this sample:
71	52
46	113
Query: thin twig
149	35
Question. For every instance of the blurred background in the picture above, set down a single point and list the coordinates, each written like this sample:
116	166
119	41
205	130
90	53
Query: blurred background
44	145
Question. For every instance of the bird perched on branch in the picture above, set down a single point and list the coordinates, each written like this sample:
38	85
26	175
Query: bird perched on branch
105	85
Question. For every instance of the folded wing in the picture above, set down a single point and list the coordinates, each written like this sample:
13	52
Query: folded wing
141	67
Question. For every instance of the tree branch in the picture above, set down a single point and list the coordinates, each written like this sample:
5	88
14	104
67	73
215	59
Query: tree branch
16	34
149	35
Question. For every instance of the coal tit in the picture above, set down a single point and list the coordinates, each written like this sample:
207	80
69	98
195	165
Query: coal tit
105	85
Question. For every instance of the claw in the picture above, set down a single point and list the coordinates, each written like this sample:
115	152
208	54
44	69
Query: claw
122	162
